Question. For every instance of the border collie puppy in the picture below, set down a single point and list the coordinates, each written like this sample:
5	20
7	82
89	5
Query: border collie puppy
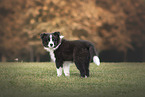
64	52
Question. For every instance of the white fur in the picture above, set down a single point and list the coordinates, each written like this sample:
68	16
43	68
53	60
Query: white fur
51	51
61	37
59	71
59	43
66	67
96	60
51	42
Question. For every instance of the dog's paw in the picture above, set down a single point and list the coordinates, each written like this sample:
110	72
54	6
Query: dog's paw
67	74
59	75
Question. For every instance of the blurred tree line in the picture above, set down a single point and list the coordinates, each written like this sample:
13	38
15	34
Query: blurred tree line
116	27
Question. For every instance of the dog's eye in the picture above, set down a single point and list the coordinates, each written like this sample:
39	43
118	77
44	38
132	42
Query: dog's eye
48	39
45	41
54	39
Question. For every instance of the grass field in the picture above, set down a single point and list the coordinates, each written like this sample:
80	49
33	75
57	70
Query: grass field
40	80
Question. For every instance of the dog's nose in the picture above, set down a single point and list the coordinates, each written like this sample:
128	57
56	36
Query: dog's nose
51	44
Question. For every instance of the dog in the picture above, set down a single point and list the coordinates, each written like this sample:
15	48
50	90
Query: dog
63	52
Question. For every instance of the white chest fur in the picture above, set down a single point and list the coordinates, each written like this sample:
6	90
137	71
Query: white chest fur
51	51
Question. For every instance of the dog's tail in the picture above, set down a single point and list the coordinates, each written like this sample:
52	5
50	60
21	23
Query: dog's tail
93	55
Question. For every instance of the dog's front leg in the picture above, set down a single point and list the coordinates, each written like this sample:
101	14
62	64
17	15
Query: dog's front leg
66	66
59	71
59	68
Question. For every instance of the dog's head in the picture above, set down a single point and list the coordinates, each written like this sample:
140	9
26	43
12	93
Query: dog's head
51	40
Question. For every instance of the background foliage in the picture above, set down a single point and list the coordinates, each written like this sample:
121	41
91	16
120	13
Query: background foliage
116	27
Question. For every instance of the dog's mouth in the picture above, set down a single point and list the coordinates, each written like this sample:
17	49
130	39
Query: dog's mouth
51	45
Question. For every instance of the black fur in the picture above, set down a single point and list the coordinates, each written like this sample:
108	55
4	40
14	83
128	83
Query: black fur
79	51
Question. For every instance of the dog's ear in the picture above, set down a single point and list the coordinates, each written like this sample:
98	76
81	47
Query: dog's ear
61	37
56	33
42	35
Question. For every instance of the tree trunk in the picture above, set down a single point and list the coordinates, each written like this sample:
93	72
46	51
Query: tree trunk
3	58
125	56
38	58
31	55
143	54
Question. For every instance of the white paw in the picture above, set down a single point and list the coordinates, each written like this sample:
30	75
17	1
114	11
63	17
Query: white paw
59	72
67	74
58	75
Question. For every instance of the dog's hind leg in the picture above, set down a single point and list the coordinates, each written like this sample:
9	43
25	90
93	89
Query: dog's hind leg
87	69
81	68
81	59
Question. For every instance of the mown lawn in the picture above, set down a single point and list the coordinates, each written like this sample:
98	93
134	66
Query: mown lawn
40	80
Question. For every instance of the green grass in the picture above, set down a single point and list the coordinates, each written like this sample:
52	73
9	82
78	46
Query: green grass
40	80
